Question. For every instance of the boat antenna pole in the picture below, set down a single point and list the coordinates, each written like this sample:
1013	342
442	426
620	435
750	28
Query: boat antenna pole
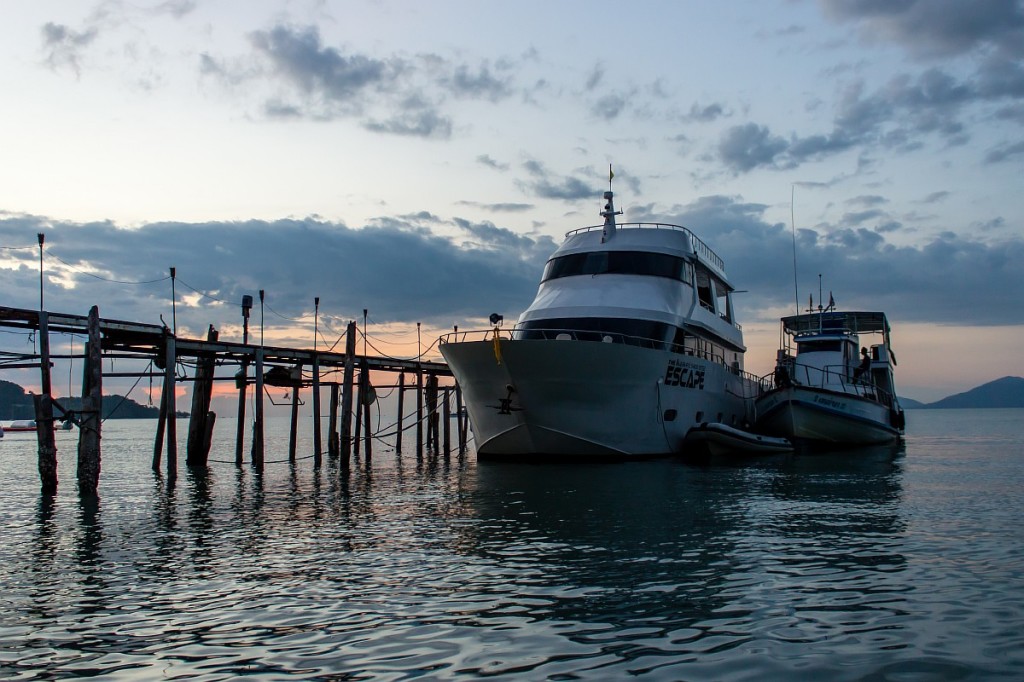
792	222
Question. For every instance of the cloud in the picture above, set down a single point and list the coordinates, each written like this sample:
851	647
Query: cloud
862	268
936	28
64	46
398	267
486	160
543	184
406	96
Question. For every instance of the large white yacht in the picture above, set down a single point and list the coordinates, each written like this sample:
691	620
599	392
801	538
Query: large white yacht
630	341
822	392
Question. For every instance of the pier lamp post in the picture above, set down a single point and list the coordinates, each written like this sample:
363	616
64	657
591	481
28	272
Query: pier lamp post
316	319
261	317
364	332
246	307
42	238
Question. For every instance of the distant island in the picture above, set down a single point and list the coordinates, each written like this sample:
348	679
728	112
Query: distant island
1005	392
15	403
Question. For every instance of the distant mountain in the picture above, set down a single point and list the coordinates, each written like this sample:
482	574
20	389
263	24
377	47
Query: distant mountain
15	403
911	404
1005	392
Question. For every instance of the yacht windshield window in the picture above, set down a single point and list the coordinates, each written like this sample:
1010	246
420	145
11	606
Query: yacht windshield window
619	263
818	346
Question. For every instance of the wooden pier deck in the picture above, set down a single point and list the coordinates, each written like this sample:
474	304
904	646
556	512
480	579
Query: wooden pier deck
272	365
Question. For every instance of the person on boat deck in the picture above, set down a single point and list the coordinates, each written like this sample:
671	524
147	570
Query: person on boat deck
865	365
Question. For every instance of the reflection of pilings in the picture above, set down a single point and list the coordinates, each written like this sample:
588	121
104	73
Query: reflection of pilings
433	437
92	404
44	414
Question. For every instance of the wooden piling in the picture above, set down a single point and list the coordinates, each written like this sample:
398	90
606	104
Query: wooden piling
92	406
197	449
432	414
460	419
43	403
332	429
399	428
242	381
161	422
419	410
293	424
317	444
366	399
257	437
446	416
170	401
346	397
360	396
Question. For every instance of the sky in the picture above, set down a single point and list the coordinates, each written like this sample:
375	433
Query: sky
421	160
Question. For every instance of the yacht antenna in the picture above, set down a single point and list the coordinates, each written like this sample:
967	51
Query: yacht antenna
609	212
792	222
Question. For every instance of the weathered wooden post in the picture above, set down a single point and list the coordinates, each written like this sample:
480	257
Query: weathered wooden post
432	414
460	419
419	410
92	405
332	416
317	443
346	397
257	437
43	404
170	403
366	398
293	425
197	447
242	382
446	415
360	397
161	422
401	415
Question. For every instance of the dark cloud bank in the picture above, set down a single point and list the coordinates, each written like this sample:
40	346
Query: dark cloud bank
403	271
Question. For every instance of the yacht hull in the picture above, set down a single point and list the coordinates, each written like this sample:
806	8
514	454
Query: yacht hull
824	416
587	398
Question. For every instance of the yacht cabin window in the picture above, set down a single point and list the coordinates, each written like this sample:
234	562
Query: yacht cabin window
619	263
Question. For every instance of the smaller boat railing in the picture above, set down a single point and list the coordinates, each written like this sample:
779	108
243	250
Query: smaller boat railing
830	377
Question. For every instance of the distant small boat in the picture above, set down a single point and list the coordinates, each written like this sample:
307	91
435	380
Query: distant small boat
820	395
714	438
21	425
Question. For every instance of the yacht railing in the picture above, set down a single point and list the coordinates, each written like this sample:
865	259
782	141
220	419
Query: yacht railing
697	245
563	334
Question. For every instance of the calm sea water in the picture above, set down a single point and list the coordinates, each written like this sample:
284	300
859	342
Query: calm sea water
873	565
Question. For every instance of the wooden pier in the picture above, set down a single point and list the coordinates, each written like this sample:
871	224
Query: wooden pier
272	366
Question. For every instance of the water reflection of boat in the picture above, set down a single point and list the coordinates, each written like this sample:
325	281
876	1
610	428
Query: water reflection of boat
820	394
630	341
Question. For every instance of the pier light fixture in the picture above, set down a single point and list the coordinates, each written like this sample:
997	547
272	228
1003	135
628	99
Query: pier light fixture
497	319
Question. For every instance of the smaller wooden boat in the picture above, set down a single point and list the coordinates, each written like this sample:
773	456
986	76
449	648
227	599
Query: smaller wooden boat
714	438
21	425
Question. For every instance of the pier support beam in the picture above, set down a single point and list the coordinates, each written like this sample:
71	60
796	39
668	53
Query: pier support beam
92	406
200	424
419	411
400	427
332	431
446	416
346	393
317	444
43	404
257	436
